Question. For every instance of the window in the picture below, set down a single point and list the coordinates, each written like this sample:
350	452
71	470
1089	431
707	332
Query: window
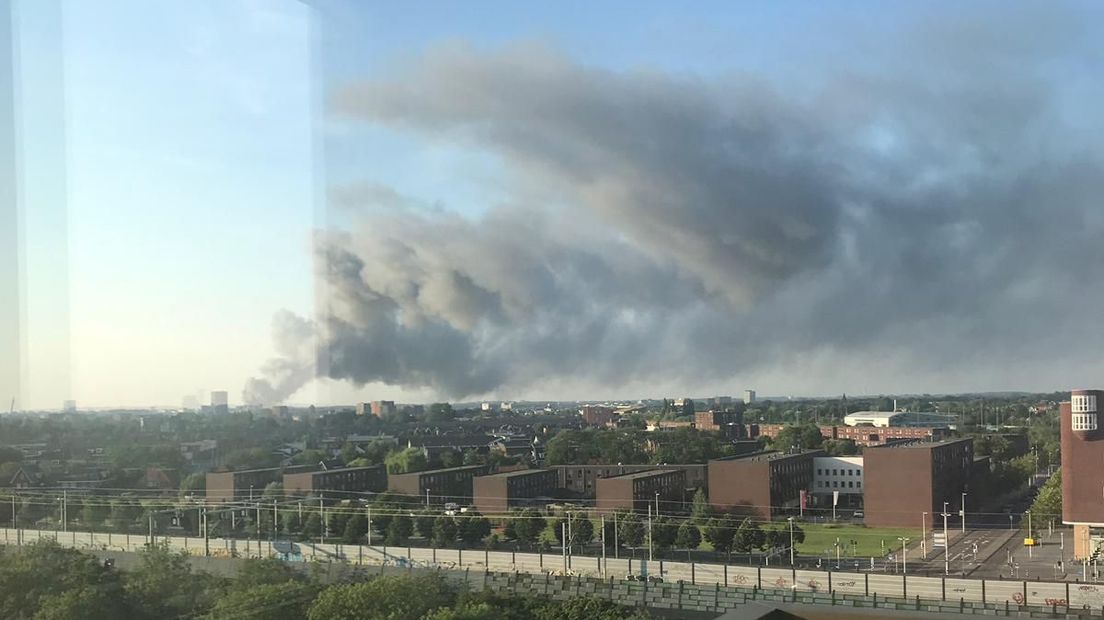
1083	403
1083	422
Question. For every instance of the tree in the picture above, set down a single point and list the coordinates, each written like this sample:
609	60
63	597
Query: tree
720	532
193	484
688	537
289	600
630	530
312	526
579	527
800	436
44	578
406	461
776	538
474	527
664	532
451	458
439	412
749	536
423	523
525	526
383	598
399	529
95	511
1048	503
700	510
444	531
355	528
164	585
267	571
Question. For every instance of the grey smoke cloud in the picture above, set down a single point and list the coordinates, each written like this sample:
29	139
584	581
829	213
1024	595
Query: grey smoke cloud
942	210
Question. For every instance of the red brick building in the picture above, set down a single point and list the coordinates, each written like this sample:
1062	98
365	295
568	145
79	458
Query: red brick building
904	480
768	482
497	493
1082	468
861	435
639	490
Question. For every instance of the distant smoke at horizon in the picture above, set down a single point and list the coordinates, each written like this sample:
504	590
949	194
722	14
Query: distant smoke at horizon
935	215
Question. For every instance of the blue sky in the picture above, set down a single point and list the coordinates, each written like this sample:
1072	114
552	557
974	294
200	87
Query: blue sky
198	150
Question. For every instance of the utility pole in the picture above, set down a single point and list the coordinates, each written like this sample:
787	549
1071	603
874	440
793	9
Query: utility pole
904	554
64	511
964	512
602	520
657	504
616	544
791	520
275	522
427	498
946	544
649	533
369	526
206	532
563	544
924	534
322	522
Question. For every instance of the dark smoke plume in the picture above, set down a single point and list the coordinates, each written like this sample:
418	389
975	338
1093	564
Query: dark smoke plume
929	222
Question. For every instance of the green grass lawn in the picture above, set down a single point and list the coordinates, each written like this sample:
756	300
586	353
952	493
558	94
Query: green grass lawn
868	540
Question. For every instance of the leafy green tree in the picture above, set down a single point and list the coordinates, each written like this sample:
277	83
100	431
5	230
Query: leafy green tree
700	510
630	529
721	533
688	537
356	528
95	511
474	527
525	526
382	598
664	532
164	586
1048	503
749	536
46	580
586	608
193	484
267	571
399	529
423	523
312	526
451	458
289	600
444	531
439	412
579	526
800	436
406	461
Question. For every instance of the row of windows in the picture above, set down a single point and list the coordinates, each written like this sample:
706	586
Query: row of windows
837	484
1083	403
838	472
1084	422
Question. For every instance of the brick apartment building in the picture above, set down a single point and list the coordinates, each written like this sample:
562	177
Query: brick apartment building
582	480
730	423
1082	476
443	485
861	435
498	493
768	482
338	481
596	415
904	480
640	489
238	485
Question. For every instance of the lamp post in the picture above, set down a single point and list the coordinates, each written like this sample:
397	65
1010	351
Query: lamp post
657	504
649	533
924	534
427	497
791	520
946	543
964	511
904	554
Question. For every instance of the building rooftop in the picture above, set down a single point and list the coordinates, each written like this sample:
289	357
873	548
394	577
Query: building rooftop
519	472
769	455
647	473
921	444
442	470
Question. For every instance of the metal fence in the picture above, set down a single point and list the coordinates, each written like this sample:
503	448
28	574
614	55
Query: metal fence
998	593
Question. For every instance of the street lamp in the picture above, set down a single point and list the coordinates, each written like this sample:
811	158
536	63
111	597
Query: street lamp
924	534
946	542
657	503
427	497
791	520
904	553
963	512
